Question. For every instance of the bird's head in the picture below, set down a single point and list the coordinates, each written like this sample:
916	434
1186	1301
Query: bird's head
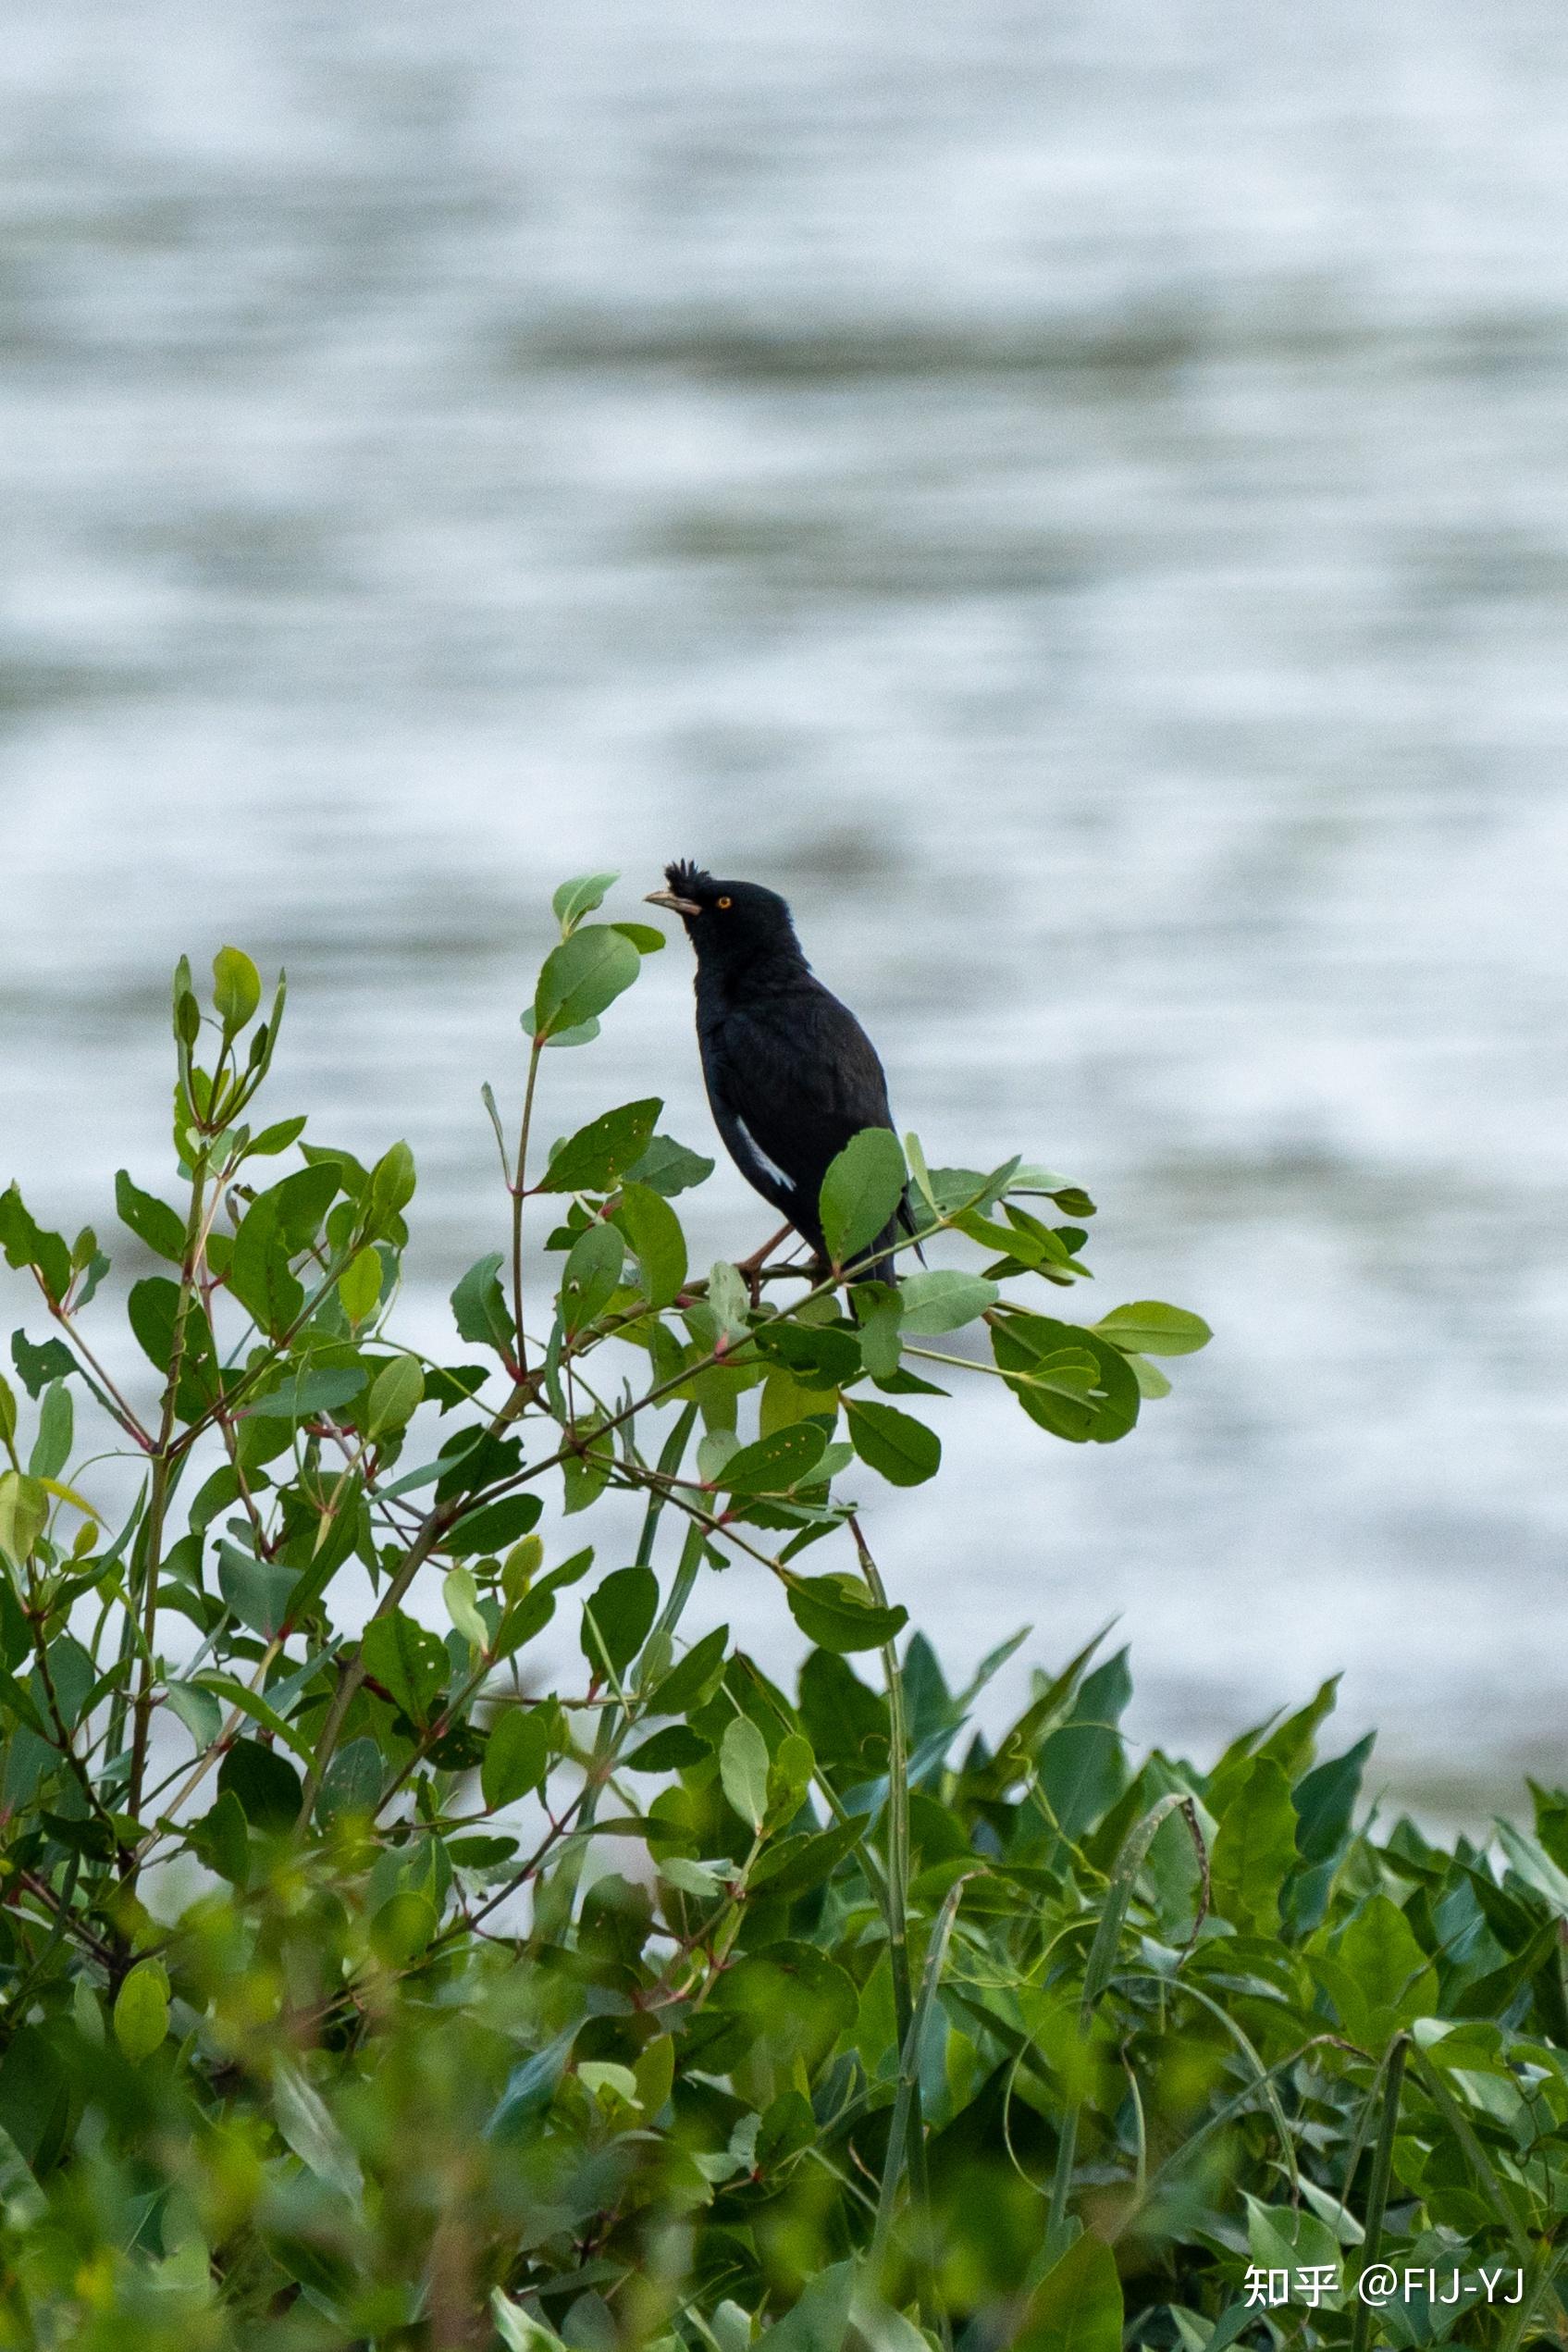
729	923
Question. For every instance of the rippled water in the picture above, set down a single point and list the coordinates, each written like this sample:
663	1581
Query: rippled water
1077	496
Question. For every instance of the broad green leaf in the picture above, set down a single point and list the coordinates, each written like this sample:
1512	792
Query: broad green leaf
775	1464
479	1309
26	1244
152	1221
598	1156
407	1660
308	1394
309	2131
259	1273
668	1168
141	2010
258	1591
644	938
1150	1328
402	1928
57	1424
1077	2307
578	897
592	1275
836	1615
743	1769
462	1597
197	1710
582	976
617	1618
658	1243
944	1300
396	1394
359	1285
353	1781
516	1757
1255	1850
1378	1976
692	1681
236	988
903	1449
672	1750
861	1193
266	1785
494	1526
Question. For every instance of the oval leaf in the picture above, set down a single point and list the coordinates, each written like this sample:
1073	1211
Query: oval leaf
903	1449
586	973
860	1192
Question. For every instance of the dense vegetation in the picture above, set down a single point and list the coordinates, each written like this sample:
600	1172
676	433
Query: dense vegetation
358	1990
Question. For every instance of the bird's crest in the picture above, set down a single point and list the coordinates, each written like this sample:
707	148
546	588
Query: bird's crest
687	881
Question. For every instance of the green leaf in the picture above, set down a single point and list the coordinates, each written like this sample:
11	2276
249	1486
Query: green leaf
944	1300
837	1615
462	1597
592	1275
24	1512
275	1139
1078	2306
258	1591
402	1928
658	1243
516	1757
220	1840
236	989
26	1245
141	2010
353	1781
1255	1850
50	1361
152	1221
57	1423
578	897
860	1192
259	1274
481	1312
586	973
1150	1328
359	1285
617	1618
308	1394
667	1168
197	1710
407	1660
672	1750
742	1769
494	1526
903	1449
691	1682
1378	1976
396	1394
305	2125
393	1181
775	1464
598	1156
643	936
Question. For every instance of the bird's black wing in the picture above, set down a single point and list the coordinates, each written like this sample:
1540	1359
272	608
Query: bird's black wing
792	1076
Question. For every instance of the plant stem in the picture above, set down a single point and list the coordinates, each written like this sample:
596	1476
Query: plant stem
1382	2168
518	1192
161	1480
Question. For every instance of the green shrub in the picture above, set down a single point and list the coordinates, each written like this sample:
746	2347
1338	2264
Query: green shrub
357	1991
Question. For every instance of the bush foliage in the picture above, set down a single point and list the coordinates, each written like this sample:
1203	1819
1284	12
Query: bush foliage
360	1990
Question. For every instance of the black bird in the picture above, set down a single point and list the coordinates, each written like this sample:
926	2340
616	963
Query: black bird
791	1075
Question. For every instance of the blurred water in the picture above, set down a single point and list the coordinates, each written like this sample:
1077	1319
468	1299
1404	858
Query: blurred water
1076	495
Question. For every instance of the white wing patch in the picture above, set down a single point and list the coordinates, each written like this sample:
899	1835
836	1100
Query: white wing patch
768	1167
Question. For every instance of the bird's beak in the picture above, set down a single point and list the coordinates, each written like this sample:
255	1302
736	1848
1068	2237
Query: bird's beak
676	906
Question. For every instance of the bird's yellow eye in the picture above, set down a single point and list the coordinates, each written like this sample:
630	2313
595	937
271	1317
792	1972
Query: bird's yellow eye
723	902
